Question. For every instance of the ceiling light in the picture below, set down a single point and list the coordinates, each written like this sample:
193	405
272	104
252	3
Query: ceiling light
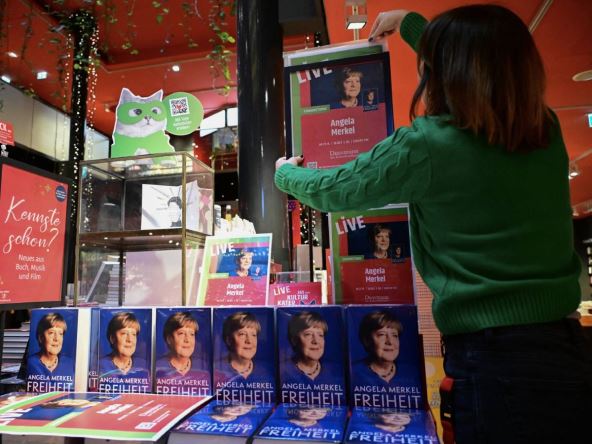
574	171
41	75
5	78
582	76
12	54
356	21
356	17
176	68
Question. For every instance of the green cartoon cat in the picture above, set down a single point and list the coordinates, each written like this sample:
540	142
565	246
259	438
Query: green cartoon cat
140	124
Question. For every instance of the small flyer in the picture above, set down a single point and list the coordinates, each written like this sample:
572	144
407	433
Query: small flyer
371	256
130	416
235	270
296	293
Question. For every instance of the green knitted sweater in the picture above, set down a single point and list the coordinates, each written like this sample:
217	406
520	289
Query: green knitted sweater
491	230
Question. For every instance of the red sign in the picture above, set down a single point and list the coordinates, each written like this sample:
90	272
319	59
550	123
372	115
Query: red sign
33	220
6	133
296	293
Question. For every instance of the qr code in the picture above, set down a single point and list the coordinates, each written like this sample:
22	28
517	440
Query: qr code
145	425
179	106
311	165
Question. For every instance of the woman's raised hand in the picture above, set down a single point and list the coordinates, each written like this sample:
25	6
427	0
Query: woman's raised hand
386	23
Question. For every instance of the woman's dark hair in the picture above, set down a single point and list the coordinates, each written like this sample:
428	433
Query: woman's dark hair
175	199
235	322
48	321
480	65
176	321
242	253
300	322
375	321
123	319
343	75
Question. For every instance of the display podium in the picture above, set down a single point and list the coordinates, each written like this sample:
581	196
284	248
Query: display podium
141	229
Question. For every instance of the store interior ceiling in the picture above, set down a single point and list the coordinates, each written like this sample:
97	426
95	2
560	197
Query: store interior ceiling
140	41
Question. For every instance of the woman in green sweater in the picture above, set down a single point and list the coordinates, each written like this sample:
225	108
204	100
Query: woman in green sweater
485	172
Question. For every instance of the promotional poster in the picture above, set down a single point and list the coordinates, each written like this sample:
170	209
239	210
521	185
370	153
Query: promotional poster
371	255
311	355
33	223
129	416
235	270
183	351
304	423
391	426
384	355
296	293
221	420
338	109
125	350
51	358
244	355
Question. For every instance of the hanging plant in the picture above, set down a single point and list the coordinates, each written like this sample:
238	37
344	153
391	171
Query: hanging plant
220	55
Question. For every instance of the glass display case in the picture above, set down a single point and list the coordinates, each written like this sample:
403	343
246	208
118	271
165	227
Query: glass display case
141	229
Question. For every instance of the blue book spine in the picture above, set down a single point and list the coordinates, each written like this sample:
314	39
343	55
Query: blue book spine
379	425
183	351
93	358
51	359
125	350
299	422
226	419
311	355
384	357
244	355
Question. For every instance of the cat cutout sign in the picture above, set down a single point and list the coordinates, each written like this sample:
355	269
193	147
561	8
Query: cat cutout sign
141	122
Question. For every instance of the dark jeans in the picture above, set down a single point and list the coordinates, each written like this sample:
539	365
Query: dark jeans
527	384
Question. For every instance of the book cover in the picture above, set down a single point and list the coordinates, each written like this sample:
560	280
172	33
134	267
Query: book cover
244	354
311	355
221	422
391	426
93	355
371	256
125	350
51	357
385	365
235	270
106	416
304	424
338	109
183	351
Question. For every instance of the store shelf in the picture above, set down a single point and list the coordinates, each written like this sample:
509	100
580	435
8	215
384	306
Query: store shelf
141	239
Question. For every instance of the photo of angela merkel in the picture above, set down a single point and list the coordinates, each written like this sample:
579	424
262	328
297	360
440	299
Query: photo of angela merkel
306	416
307	332
390	421
50	361
122	333
379	333
231	412
180	332
240	333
